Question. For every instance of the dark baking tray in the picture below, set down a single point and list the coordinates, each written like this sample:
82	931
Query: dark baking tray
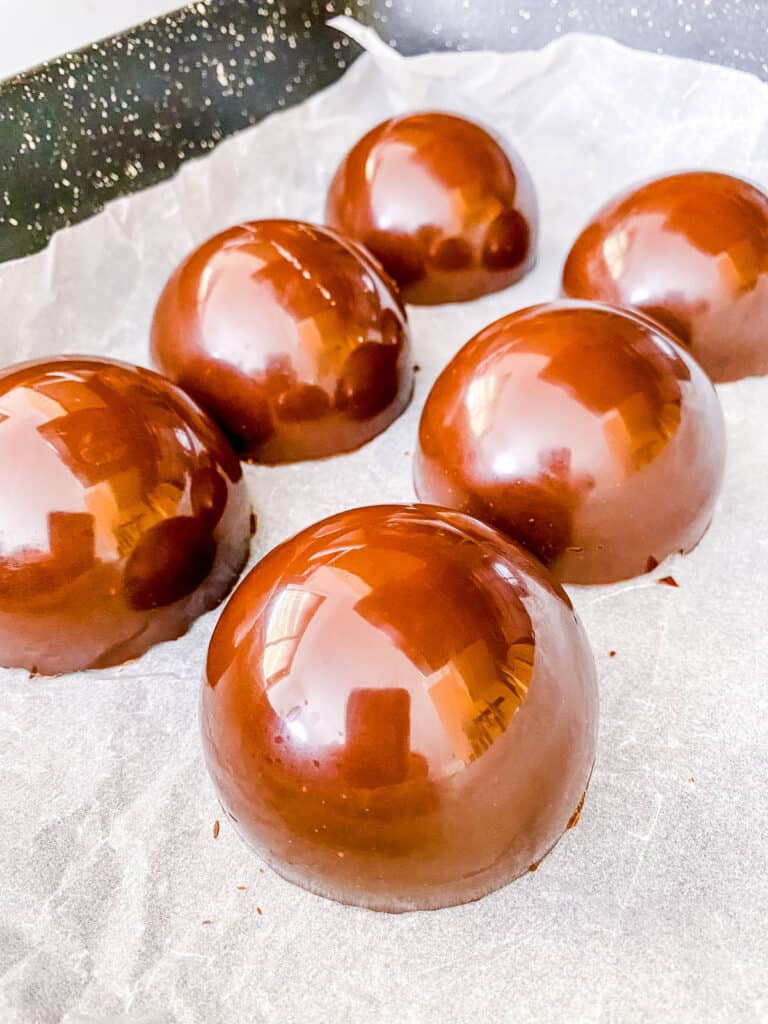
124	113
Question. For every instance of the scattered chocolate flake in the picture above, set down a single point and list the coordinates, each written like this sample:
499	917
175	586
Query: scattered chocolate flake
259	911
242	888
207	921
691	779
651	564
216	827
611	654
668	581
416	368
254	521
534	867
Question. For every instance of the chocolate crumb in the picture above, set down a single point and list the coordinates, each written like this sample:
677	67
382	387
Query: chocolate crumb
668	581
259	911
207	921
416	368
534	867
691	779
242	888
253	523
651	564
216	827
611	654
261	871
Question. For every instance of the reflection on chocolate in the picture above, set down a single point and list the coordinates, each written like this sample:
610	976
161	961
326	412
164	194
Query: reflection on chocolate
449	211
582	431
123	514
292	337
160	570
690	250
400	709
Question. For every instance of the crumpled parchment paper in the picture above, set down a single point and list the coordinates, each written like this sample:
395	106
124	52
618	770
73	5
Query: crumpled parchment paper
655	907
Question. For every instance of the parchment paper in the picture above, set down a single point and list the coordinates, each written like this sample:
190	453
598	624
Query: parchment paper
655	907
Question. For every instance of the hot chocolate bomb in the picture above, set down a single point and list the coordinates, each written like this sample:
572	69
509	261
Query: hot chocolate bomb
450	211
400	709
290	336
583	431
123	514
691	250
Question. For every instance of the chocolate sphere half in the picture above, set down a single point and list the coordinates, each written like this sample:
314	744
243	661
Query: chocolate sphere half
691	250
290	336
450	211
400	709
123	514
582	431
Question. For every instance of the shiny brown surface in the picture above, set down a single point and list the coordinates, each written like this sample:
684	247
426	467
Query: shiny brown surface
291	337
123	514
690	250
582	431
450	213
400	709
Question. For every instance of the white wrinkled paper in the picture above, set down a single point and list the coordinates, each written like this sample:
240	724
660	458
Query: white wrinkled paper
655	908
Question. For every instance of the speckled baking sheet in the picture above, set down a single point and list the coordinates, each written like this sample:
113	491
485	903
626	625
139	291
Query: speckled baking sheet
124	113
654	907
